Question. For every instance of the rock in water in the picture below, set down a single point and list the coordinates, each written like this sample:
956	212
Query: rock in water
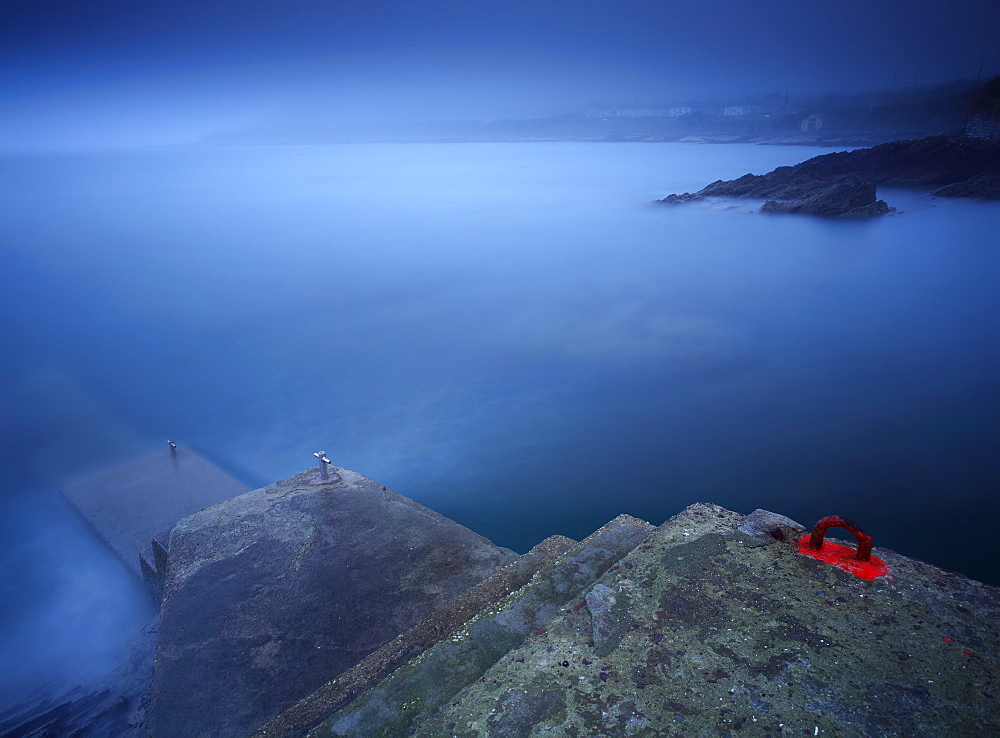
983	187
968	167
845	200
273	593
678	199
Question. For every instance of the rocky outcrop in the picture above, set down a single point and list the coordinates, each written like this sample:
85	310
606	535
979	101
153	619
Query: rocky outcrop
678	199
270	595
847	200
983	187
930	163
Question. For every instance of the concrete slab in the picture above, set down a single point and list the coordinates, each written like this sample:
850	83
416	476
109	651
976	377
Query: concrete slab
272	594
130	504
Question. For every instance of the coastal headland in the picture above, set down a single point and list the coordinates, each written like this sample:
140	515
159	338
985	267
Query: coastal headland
843	184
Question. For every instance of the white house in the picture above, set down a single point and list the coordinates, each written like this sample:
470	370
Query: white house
814	122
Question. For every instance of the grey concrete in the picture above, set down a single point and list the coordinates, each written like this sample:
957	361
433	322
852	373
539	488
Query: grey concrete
415	692
270	595
346	687
130	504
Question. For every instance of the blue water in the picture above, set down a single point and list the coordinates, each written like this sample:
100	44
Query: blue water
507	333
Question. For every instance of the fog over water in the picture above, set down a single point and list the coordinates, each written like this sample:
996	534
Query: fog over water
508	333
116	73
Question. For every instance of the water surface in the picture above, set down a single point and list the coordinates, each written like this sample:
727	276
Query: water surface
508	333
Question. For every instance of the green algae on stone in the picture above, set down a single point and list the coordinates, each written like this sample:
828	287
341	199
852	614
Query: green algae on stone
723	634
415	693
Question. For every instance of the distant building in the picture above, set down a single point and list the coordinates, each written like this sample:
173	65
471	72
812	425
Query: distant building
629	112
762	106
814	122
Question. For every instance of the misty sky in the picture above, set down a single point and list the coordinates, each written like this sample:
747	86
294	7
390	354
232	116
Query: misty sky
126	72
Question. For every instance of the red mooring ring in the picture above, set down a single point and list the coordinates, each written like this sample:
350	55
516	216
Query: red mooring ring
836	521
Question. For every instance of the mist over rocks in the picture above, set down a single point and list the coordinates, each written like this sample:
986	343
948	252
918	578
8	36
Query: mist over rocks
337	607
844	183
846	200
983	187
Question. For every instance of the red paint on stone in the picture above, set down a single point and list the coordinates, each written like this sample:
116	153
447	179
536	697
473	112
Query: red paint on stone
864	551
844	557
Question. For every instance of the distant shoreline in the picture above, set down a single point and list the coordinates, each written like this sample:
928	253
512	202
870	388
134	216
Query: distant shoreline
829	141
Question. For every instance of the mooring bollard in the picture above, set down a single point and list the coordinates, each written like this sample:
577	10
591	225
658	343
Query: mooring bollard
858	562
836	521
323	463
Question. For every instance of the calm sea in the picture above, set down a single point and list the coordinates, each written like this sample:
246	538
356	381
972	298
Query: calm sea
507	333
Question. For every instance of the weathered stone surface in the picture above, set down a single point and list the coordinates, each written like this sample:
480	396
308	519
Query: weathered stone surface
273	593
415	692
601	604
770	527
339	692
726	637
844	200
524	710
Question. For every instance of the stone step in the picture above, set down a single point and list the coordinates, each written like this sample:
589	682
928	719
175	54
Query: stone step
415	691
153	564
339	692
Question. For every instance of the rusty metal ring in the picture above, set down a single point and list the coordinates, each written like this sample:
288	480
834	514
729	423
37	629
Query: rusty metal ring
836	521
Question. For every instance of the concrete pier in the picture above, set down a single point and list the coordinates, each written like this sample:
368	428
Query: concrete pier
131	504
